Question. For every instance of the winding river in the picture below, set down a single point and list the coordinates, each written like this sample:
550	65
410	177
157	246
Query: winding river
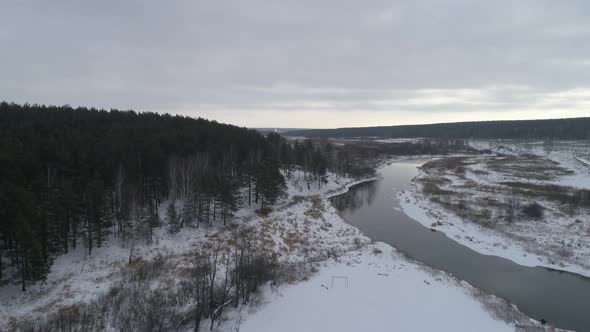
561	298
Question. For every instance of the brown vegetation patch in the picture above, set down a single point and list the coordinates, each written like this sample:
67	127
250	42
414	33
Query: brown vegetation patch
479	202
317	208
293	240
457	165
552	192
296	200
527	166
431	188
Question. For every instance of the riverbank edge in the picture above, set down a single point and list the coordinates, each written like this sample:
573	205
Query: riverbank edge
524	319
415	205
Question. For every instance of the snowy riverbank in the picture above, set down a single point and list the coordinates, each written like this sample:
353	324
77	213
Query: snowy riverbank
473	236
375	289
560	241
385	289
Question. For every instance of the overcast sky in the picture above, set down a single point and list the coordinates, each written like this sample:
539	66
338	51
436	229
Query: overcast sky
304	63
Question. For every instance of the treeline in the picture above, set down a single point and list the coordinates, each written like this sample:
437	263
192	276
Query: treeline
310	161
572	129
81	177
78	177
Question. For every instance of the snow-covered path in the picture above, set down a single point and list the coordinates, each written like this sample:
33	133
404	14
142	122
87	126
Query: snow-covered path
385	293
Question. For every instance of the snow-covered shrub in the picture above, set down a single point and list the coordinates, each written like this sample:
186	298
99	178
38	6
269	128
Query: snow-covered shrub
565	252
358	242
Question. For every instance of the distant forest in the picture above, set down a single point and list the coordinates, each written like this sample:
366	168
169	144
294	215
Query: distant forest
570	129
79	177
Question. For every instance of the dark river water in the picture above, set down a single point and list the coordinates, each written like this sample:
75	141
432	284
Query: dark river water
559	297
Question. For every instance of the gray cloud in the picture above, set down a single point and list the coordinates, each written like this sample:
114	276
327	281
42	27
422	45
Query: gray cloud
234	59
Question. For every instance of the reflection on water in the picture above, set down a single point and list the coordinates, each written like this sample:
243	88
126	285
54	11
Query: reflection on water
559	297
364	194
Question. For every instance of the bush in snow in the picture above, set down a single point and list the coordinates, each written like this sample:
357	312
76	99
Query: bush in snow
533	210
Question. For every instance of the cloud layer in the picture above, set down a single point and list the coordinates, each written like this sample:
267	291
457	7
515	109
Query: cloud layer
302	63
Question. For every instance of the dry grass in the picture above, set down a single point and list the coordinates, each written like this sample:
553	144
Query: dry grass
457	165
434	189
465	198
551	192
527	166
293	240
317	208
296	200
502	198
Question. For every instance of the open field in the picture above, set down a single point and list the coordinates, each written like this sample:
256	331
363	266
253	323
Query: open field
531	208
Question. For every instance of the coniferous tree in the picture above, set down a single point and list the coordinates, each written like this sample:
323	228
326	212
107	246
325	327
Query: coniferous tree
71	177
270	183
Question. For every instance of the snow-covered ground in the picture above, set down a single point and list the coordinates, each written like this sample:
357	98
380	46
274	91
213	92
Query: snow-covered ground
334	185
399	140
583	161
385	290
376	289
77	277
569	154
560	240
481	239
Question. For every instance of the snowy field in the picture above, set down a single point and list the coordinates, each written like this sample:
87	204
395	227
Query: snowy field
399	140
377	289
385	290
469	203
572	155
